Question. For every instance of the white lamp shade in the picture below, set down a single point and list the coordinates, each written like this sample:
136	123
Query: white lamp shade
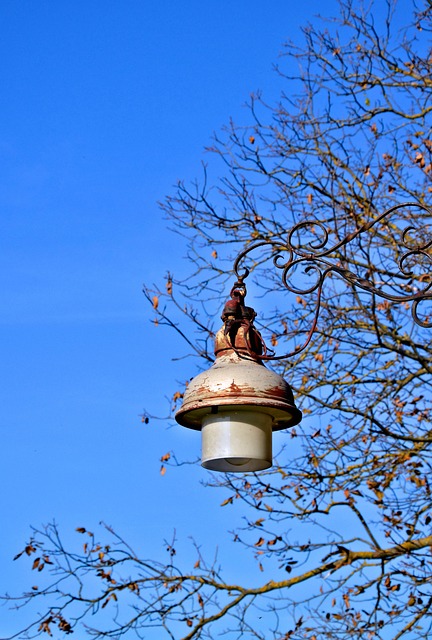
237	403
237	439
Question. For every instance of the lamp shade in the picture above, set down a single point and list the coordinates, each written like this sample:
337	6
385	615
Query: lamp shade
237	403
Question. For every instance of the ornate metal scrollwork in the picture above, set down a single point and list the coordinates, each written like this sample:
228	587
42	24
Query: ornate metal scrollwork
316	258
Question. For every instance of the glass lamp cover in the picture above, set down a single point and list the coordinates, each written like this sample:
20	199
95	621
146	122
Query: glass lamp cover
237	440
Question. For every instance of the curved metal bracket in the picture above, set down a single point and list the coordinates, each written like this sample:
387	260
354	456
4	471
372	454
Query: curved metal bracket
315	258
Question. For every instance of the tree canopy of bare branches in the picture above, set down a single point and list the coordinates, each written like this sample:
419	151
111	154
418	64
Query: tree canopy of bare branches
342	522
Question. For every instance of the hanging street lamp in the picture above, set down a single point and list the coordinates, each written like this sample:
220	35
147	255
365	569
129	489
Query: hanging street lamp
239	402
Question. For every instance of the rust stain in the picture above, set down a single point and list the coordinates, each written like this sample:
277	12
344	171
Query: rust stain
240	389
280	392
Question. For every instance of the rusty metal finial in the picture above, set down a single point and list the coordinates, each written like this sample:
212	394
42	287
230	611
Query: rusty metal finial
239	333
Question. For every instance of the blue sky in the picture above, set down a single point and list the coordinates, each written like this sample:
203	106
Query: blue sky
104	106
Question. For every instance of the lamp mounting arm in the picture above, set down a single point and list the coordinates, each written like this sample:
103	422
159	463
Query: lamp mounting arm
320	260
